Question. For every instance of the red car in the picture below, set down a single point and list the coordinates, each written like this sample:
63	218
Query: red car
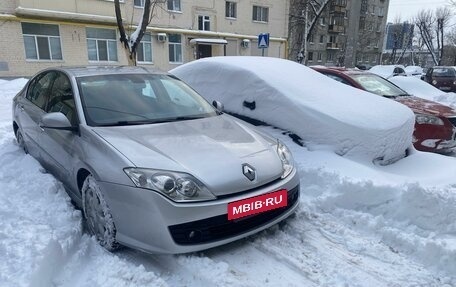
435	126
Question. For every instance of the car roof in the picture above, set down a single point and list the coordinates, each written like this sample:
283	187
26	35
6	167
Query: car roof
341	70
82	71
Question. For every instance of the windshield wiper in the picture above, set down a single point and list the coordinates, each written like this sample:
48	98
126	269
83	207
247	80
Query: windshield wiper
395	96
151	121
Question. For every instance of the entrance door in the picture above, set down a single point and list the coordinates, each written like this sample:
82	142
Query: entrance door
204	51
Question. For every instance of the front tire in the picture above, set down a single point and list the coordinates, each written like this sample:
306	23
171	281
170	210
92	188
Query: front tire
20	141
97	214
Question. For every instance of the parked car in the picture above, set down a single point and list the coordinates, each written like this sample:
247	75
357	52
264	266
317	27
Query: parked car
323	113
414	71
443	78
435	125
151	163
388	71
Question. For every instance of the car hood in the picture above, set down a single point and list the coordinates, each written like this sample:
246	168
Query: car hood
211	149
422	106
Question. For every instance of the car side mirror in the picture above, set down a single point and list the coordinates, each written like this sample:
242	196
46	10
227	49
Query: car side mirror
56	121
218	105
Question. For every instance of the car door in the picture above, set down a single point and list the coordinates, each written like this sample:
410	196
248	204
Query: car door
59	145
31	109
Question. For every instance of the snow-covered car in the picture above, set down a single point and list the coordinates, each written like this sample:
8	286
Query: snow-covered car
435	124
324	113
414	71
388	71
152	164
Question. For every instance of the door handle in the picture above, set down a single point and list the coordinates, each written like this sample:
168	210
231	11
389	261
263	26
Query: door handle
21	107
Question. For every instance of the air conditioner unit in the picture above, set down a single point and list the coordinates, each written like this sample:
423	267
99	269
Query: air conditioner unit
161	37
245	43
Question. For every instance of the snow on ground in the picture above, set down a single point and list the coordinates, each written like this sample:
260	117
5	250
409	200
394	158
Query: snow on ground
420	88
358	224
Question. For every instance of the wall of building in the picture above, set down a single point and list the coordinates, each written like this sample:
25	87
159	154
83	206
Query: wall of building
73	16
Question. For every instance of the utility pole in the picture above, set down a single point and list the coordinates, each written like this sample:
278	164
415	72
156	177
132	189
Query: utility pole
306	28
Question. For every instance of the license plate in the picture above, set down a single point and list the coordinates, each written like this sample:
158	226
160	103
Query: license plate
257	204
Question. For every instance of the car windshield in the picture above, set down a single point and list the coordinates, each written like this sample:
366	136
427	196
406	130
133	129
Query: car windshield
378	85
443	72
131	99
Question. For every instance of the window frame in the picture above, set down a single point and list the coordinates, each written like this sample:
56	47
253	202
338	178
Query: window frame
37	49
141	4
262	9
175	44
179	6
204	20
143	41
107	47
230	6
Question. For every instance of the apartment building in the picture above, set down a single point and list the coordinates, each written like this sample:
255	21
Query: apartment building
36	34
348	33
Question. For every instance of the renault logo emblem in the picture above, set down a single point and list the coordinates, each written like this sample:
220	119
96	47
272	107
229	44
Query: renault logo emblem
249	172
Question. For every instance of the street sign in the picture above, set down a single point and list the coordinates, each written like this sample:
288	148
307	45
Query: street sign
263	41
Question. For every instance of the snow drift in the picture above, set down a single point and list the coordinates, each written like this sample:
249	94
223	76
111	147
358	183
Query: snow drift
346	120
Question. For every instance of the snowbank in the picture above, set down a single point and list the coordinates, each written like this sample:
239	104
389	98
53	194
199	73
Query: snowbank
291	96
425	90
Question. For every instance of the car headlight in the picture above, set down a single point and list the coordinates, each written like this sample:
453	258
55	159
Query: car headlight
177	186
428	120
286	158
434	82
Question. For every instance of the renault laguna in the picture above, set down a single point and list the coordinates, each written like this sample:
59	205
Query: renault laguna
152	165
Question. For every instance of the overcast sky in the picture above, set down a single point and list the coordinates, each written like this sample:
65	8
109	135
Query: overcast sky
407	9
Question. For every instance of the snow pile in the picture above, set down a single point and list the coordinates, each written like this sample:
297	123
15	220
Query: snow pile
325	113
425	90
414	71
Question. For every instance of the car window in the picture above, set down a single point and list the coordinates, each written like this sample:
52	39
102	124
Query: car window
38	91
378	85
443	72
398	70
337	78
139	99
61	98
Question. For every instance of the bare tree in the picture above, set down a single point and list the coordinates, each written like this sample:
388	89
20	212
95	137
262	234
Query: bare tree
131	42
432	30
298	22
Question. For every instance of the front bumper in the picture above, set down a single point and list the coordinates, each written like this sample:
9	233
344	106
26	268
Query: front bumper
148	221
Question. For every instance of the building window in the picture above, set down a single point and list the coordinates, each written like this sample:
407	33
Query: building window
101	44
322	21
310	57
260	14
174	5
144	52
319	57
362	23
332	39
139	3
330	57
230	9
175	48
381	11
322	39
311	38
41	41
204	23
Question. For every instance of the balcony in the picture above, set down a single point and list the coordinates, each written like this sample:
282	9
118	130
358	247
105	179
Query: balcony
335	28
332	46
337	8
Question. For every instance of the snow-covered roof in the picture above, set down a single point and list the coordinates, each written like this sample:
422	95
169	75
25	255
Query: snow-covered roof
208	41
294	97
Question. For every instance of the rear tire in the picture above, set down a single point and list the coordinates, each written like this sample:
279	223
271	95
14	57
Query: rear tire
97	214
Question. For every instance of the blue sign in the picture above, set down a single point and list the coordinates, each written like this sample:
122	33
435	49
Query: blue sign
263	41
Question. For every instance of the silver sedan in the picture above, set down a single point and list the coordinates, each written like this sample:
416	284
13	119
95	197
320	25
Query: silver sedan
152	164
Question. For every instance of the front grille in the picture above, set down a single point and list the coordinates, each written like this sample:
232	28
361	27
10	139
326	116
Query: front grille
453	121
218	227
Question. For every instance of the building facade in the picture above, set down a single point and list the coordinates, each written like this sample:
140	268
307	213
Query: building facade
36	34
347	33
